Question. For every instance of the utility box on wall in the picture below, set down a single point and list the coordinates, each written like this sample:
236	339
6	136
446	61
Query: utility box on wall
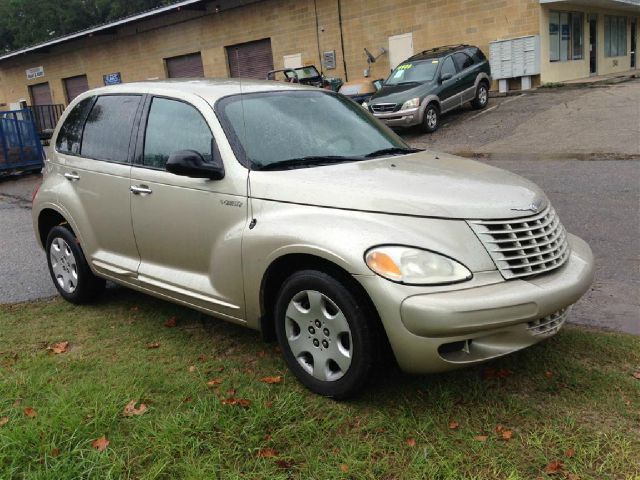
513	58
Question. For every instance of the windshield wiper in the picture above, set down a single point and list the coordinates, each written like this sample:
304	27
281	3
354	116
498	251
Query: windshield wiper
393	151
310	161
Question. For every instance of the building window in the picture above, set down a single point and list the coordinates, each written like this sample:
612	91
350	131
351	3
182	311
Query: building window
566	36
615	36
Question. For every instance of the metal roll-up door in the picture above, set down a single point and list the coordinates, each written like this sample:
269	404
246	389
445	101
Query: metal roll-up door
40	94
250	60
185	66
74	86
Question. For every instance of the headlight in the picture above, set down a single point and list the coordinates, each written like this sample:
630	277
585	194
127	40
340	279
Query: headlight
414	266
413	103
365	105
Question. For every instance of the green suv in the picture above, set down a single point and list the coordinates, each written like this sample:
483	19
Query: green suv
431	83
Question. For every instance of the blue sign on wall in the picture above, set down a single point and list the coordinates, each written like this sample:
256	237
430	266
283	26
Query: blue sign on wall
112	78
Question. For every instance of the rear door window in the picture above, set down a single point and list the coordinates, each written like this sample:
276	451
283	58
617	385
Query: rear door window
107	132
70	133
463	61
172	126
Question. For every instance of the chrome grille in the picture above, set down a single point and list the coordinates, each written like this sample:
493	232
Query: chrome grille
523	247
384	107
550	324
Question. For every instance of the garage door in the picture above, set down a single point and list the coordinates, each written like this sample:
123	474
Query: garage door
74	86
250	60
185	66
40	94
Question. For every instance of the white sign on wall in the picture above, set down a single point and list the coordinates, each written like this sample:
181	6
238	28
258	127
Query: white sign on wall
400	48
293	61
35	72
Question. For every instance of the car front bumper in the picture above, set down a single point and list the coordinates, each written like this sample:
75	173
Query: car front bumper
402	118
442	330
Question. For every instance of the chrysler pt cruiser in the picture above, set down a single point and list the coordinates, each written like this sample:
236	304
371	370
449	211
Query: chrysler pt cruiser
293	211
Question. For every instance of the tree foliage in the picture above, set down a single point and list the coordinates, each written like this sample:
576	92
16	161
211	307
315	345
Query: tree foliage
25	22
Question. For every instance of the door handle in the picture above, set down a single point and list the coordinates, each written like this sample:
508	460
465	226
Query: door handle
72	177
140	189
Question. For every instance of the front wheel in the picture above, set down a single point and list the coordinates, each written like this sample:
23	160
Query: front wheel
325	334
431	120
69	269
482	96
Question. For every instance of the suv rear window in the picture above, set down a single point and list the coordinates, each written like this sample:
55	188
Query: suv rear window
70	133
477	55
107	132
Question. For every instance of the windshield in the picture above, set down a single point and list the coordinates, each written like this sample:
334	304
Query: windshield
305	72
413	72
301	125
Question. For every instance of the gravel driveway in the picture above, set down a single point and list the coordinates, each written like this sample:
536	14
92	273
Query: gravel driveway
582	146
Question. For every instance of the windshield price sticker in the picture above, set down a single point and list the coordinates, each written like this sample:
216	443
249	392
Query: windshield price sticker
434	61
406	66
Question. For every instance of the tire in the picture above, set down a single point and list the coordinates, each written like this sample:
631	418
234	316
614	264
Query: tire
431	120
482	96
69	269
325	334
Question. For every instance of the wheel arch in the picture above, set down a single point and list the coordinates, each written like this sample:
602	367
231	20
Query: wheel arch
47	219
284	266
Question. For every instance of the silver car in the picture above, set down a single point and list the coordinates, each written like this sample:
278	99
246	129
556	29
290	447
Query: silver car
293	211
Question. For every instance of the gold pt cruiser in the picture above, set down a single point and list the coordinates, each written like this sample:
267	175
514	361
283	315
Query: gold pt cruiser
292	210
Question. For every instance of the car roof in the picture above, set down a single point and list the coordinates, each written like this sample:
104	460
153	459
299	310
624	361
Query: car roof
439	52
210	89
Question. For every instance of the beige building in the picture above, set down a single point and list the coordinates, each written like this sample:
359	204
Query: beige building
224	38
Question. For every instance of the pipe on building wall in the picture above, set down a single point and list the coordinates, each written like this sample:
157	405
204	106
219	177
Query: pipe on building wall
344	61
315	8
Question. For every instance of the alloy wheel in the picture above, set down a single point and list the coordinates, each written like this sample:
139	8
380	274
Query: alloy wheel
318	335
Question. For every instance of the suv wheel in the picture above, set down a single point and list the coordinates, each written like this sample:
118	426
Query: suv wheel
482	96
431	120
324	333
69	269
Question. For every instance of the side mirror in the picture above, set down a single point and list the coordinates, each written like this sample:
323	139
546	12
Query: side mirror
378	84
190	163
446	76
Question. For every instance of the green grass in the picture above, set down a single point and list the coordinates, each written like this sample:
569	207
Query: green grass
590	403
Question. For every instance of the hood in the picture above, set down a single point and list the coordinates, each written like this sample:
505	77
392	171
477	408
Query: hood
426	184
400	93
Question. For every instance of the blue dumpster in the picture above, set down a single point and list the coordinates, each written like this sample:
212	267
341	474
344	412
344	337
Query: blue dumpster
20	147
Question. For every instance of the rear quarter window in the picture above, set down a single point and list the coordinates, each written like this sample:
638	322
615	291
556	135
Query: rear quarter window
70	134
109	126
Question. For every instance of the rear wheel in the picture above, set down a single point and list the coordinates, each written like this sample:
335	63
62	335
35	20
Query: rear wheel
431	120
69	269
482	96
324	333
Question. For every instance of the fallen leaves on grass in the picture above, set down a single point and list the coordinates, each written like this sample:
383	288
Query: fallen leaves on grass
170	323
453	425
636	375
548	374
100	444
215	381
344	468
30	412
130	410
570	453
276	379
411	442
58	348
555	466
4	421
192	368
153	345
496	373
241	402
285	464
481	438
507	434
55	452
267	453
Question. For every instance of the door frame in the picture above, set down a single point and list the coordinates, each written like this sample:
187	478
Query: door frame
634	42
593	44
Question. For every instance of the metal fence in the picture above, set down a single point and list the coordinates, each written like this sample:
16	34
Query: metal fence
20	147
46	117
